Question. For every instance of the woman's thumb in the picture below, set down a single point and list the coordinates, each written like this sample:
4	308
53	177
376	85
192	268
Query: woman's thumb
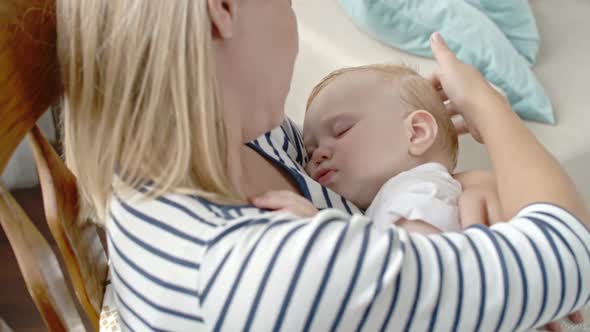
440	50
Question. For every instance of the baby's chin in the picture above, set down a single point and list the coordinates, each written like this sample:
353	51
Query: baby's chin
354	198
361	204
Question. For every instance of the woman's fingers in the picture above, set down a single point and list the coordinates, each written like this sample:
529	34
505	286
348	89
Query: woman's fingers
273	200
443	95
451	108
463	127
441	52
460	125
576	317
302	211
285	201
553	327
434	80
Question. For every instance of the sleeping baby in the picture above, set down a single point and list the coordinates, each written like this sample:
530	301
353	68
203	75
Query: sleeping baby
381	137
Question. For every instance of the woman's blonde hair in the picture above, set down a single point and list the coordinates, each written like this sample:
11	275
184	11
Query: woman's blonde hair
141	101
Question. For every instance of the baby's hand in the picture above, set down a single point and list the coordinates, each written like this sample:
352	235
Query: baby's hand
479	206
479	203
285	201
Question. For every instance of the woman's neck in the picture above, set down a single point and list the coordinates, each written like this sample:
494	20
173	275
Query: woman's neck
254	175
251	173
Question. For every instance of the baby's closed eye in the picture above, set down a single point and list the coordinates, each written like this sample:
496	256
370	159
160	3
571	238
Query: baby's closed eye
341	128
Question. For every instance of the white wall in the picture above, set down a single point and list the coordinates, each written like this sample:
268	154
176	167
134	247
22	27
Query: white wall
21	171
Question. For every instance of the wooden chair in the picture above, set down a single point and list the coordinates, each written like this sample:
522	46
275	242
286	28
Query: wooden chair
39	267
78	242
78	239
29	69
29	75
4	327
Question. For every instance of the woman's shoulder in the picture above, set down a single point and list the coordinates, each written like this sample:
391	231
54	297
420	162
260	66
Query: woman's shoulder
184	215
292	130
156	249
286	138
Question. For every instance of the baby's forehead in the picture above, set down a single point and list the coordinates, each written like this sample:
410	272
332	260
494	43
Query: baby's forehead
360	79
344	95
353	86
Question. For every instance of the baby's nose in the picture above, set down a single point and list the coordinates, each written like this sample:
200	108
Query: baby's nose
321	155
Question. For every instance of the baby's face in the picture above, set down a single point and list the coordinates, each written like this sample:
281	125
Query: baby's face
355	137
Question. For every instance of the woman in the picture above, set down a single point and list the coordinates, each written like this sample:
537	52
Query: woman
160	98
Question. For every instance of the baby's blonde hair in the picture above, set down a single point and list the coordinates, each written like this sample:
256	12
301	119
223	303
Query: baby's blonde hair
140	96
415	92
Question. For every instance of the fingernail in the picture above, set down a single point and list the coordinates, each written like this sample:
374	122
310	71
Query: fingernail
435	37
577	318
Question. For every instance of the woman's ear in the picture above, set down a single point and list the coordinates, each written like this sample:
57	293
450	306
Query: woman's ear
422	132
223	16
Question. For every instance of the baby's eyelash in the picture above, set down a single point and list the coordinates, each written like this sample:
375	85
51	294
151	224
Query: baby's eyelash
342	132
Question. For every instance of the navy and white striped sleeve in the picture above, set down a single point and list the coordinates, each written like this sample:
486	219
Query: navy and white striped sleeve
296	148
335	272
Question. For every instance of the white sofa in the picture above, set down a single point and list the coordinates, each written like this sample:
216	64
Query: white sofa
329	40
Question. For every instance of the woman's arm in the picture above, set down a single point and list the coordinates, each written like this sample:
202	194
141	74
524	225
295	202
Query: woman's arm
287	201
338	272
334	271
525	171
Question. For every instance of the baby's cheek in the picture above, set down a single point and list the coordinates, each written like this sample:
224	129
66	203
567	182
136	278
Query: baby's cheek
308	168
373	177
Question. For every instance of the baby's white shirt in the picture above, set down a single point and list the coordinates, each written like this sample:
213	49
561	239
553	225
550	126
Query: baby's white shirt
427	192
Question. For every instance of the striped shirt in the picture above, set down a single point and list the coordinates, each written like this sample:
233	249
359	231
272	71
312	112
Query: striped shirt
182	263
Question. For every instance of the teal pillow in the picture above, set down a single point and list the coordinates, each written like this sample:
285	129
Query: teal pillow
516	20
470	34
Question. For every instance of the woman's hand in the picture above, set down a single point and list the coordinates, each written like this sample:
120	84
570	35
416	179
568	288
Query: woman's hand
576	318
285	201
464	89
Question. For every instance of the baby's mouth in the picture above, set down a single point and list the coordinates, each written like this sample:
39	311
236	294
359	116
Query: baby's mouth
325	176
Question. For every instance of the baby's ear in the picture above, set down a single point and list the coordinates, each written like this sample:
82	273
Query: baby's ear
422	131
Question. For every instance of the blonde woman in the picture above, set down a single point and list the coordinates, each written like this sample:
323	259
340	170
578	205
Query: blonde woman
174	120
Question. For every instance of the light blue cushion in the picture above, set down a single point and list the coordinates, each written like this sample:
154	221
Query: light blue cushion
516	20
470	34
